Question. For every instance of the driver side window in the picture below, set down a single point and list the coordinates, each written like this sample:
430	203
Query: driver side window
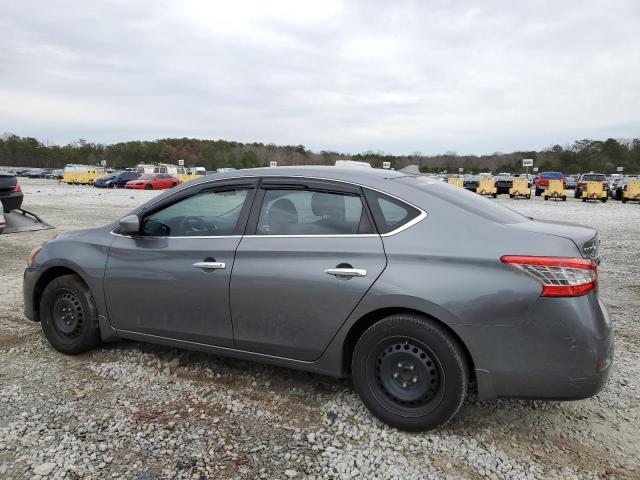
208	214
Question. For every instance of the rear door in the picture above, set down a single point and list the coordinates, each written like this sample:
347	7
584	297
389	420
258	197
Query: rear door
172	280
308	257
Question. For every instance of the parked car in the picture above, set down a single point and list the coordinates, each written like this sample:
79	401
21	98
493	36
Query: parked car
542	182
571	181
621	186
11	194
503	182
341	271
116	180
153	181
55	174
589	177
470	182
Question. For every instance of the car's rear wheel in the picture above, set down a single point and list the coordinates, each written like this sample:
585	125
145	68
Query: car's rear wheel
148	186
69	316
410	372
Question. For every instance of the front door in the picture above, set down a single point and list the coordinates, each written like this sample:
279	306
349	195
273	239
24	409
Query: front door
309	256
172	280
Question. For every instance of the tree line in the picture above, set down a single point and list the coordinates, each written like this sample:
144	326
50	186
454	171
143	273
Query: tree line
581	156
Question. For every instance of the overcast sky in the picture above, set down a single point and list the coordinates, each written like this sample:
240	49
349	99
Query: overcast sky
401	77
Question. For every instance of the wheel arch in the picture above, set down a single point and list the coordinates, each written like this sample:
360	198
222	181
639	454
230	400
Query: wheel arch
367	320
45	279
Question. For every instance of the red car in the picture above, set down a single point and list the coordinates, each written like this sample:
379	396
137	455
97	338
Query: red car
542	182
153	181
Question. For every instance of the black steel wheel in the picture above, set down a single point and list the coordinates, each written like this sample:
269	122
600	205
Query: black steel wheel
407	374
69	316
410	372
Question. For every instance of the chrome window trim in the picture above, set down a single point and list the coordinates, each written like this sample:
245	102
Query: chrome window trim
401	228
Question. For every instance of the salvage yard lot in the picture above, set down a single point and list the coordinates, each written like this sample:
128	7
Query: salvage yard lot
130	410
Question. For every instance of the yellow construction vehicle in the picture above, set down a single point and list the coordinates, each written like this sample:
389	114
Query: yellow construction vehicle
456	181
81	174
520	188
594	191
555	190
487	186
632	192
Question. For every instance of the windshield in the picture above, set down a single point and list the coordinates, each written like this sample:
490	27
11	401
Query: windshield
594	177
552	175
472	202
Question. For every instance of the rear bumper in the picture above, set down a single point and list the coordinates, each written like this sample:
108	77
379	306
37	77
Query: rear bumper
563	350
11	201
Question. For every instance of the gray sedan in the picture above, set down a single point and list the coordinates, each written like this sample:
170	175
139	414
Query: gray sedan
419	290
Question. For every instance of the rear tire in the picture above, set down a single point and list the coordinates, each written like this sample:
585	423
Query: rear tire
68	315
410	372
148	186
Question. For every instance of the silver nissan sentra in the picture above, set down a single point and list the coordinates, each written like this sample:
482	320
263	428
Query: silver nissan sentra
419	290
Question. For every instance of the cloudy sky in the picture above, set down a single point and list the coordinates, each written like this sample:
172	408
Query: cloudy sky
401	77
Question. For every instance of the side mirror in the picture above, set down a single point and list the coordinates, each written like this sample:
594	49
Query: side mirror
129	225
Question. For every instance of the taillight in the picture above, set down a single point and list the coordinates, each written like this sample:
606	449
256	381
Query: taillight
17	189
559	276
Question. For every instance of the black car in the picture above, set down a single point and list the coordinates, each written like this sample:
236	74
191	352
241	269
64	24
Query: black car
117	180
470	182
10	192
503	183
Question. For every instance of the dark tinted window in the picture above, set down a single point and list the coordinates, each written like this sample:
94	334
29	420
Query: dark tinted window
594	177
307	212
388	212
211	213
552	175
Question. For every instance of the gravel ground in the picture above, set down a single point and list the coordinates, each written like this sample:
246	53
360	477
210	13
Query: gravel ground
136	411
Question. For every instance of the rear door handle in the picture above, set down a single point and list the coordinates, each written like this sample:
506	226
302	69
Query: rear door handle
346	272
210	265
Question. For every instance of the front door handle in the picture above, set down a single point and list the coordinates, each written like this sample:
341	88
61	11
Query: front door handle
210	265
346	272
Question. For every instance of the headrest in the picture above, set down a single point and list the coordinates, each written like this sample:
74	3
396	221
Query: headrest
327	205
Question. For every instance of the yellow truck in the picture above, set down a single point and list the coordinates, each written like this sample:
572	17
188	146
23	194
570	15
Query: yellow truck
456	181
76	174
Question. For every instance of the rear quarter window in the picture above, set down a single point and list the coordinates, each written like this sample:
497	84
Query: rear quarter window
388	212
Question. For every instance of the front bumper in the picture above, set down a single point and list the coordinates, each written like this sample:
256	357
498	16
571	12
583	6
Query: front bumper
562	350
29	280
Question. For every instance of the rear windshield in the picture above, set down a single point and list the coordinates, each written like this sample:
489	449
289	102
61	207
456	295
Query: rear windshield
552	175
594	177
462	198
145	177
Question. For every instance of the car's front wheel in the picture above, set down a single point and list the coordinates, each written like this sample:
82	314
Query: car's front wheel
69	316
410	372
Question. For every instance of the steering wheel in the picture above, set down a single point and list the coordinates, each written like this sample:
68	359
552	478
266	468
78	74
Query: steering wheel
195	226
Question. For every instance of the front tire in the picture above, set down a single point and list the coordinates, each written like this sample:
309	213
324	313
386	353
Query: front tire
68	315
410	372
148	186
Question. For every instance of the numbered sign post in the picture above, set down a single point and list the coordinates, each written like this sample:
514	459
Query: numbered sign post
460	170
273	164
527	162
181	162
386	165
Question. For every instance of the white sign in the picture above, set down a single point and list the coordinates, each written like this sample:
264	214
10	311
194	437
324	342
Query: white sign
535	169
181	162
461	169
527	162
386	165
103	162
273	164
620	169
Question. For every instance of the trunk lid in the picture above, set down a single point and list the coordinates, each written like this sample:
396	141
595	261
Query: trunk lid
585	238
